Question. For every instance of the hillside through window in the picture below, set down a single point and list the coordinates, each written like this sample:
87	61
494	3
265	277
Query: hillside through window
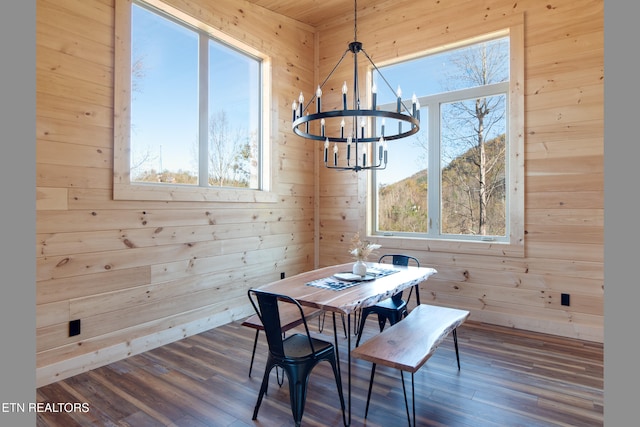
451	180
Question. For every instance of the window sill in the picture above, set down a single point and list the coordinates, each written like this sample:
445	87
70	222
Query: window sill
178	193
514	249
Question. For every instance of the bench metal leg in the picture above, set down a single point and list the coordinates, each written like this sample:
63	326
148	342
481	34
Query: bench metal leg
373	372
404	390
413	399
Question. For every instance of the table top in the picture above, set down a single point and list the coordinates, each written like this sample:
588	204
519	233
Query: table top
360	294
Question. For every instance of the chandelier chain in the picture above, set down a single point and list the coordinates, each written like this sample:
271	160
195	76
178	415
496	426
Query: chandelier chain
355	20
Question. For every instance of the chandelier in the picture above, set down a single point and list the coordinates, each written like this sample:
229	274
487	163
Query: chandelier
357	124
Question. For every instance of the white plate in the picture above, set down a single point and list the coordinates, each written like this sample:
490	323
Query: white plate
350	277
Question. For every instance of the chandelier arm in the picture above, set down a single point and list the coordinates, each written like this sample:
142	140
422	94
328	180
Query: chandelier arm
313	98
383	78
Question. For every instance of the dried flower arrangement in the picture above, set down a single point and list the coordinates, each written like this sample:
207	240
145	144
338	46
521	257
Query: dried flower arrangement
362	249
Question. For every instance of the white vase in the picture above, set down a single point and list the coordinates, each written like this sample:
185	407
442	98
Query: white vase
360	268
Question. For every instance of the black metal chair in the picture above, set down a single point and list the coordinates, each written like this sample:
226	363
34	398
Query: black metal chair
296	354
392	309
289	319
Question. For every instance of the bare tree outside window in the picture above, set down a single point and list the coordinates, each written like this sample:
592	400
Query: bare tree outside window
473	145
142	158
229	153
462	191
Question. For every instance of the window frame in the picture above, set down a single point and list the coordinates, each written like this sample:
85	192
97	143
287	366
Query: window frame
513	244
123	187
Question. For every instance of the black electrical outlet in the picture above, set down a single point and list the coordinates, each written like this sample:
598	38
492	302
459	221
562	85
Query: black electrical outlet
282	275
564	299
74	327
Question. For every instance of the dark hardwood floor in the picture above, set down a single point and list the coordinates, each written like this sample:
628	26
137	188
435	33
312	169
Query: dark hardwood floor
507	378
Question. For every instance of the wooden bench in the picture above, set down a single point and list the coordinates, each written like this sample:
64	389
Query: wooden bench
289	319
408	344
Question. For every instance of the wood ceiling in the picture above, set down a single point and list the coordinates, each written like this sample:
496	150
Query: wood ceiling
317	12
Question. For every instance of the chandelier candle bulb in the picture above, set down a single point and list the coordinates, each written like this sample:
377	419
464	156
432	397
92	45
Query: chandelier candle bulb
414	101
342	128
322	123
318	95
301	102
380	147
349	148
326	150
335	154
382	128
385	152
362	123
344	95
294	107
399	102
374	96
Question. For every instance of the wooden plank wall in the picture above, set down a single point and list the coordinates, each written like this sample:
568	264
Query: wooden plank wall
564	145
141	274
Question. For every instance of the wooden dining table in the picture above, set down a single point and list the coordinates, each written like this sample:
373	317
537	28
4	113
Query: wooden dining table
332	289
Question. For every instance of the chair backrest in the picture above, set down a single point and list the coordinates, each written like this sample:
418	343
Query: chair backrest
399	259
265	305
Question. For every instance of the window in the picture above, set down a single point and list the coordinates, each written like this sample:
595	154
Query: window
458	178
191	122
